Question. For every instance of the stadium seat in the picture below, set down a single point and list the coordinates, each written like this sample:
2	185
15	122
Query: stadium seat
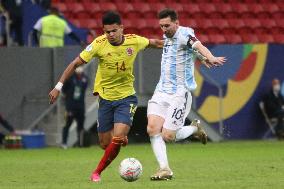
82	15
189	23
178	7
220	23
192	9
267	22
141	7
280	22
124	7
107	6
88	23
252	23
75	7
236	23
204	23
223	8
91	7
271	8
240	8
278	38
233	38
203	38
265	38
255	8
158	6
249	38
217	39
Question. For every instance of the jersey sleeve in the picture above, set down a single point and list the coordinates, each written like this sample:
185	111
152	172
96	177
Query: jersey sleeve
38	25
90	51
142	42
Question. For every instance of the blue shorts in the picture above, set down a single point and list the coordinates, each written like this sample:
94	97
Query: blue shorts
117	111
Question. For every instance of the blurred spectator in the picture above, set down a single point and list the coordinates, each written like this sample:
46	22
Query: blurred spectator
7	126
74	92
274	105
51	29
14	11
2	27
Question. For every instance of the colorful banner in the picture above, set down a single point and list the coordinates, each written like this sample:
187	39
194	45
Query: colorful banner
244	80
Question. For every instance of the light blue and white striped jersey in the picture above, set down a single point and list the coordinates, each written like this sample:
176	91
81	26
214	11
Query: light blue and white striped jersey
177	66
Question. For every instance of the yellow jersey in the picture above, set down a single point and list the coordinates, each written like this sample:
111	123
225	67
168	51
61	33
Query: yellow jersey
114	78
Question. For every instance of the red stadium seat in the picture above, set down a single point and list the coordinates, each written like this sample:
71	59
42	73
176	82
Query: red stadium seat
82	15
203	38
240	8
265	38
107	6
267	23
75	7
271	8
217	39
224	8
236	23
192	9
233	38
279	38
280	22
220	23
252	23
141	7
91	7
88	23
255	8
189	23
158	6
249	38
178	7
124	7
204	23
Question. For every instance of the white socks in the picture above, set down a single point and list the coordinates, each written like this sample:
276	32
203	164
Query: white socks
160	150
185	132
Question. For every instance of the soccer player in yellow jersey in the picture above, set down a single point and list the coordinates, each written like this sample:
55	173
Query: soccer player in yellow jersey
114	84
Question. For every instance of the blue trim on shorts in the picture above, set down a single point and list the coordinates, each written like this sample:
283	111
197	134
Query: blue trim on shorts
117	111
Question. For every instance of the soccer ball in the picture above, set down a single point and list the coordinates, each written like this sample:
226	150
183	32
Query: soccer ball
130	169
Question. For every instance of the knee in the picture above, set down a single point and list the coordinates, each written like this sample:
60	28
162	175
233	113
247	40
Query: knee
168	137
152	129
122	140
104	143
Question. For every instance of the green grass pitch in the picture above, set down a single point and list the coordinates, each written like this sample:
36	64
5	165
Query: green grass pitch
237	164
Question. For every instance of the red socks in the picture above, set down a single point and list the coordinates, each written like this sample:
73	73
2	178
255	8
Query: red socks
110	153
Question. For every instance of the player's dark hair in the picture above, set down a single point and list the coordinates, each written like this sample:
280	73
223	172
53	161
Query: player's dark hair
111	17
53	10
168	13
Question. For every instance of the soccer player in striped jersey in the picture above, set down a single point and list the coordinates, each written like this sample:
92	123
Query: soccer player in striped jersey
171	102
114	84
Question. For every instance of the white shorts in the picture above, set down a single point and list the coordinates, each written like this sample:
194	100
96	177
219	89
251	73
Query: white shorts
174	108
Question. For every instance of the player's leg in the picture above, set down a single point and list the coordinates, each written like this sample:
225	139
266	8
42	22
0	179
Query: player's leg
157	109
123	116
65	131
80	118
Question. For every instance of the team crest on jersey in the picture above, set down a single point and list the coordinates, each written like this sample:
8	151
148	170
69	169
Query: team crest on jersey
129	51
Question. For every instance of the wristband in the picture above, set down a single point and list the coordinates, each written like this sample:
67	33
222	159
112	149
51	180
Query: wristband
58	86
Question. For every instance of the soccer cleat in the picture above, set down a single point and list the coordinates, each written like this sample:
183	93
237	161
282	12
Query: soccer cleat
200	134
163	174
95	177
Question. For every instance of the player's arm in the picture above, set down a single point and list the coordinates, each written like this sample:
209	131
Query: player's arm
156	43
66	74
209	60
